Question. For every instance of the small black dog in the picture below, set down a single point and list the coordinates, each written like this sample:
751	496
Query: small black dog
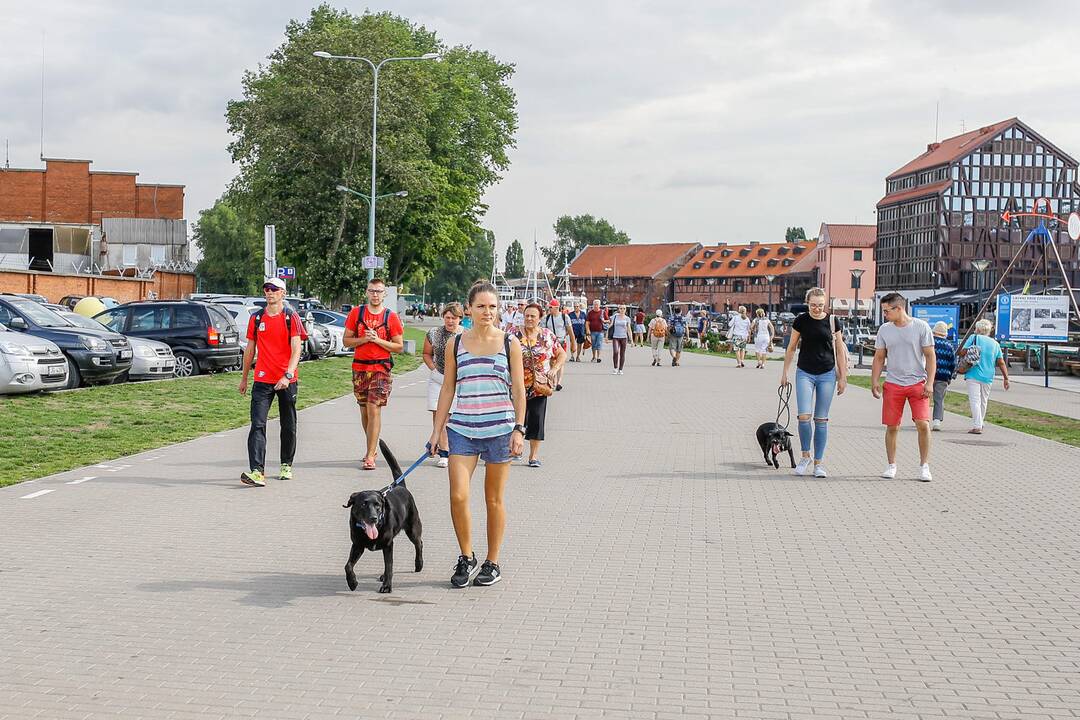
376	519
773	438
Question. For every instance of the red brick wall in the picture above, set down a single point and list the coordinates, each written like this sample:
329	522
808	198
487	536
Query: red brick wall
21	195
67	191
167	285
112	196
160	201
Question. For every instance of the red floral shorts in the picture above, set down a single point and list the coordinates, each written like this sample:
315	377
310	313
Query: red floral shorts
372	386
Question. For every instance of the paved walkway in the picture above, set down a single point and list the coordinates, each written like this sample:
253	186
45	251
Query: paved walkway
655	568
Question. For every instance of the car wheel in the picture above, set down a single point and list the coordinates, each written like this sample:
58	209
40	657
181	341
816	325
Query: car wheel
121	378
186	365
74	377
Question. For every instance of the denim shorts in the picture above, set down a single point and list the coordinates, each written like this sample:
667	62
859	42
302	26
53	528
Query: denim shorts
597	340
492	450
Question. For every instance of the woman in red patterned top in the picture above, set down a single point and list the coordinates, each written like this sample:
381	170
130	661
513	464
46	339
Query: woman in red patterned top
542	353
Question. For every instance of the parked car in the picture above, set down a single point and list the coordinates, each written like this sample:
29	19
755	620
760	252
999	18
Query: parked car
70	301
203	336
35	297
786	317
335	323
94	356
29	363
150	359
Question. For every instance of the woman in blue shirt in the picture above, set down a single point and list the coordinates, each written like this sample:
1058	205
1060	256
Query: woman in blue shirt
945	370
980	377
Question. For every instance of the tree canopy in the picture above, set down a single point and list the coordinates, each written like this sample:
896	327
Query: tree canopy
232	251
303	127
454	278
572	234
794	233
515	260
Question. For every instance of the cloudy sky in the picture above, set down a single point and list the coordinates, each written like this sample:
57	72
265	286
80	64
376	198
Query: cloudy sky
693	121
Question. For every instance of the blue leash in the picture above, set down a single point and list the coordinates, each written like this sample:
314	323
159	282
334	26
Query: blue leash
401	478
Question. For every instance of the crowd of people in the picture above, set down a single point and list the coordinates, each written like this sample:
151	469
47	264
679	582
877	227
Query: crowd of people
493	368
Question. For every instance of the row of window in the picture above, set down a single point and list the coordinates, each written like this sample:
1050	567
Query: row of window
1012	189
1029	174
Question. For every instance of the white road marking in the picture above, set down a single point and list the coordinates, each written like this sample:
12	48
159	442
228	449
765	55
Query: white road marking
81	480
39	493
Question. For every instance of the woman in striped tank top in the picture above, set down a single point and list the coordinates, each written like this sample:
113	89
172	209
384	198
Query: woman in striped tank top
485	382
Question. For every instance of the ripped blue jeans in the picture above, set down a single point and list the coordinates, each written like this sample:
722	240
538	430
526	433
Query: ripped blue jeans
814	395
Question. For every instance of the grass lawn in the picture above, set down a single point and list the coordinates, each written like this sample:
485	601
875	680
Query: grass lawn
1033	422
46	433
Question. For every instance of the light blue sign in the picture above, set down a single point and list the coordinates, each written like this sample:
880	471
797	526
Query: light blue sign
948	314
1033	318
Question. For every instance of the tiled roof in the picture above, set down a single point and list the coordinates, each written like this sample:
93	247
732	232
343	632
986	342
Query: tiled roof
856	236
952	148
746	260
924	191
629	260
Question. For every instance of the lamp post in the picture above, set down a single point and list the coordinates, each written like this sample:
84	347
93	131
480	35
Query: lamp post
856	282
372	197
769	279
607	281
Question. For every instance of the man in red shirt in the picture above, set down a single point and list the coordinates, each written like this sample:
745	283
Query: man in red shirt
274	341
375	332
596	322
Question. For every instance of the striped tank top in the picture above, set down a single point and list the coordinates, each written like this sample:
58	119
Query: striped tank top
485	408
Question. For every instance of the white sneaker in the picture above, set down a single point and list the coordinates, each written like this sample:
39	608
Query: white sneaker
924	474
443	462
615	372
620	372
889	472
937	425
819	472
803	466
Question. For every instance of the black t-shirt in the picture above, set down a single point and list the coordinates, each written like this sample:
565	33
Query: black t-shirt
816	355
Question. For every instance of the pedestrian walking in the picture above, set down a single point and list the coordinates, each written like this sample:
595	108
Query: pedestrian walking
908	345
596	322
821	372
484	375
577	322
639	327
676	335
273	336
981	354
435	358
702	323
620	333
543	359
944	370
466	321
375	332
558	323
762	331
658	330
740	336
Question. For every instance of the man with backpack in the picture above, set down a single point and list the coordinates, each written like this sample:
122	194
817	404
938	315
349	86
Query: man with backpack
676	335
375	332
273	335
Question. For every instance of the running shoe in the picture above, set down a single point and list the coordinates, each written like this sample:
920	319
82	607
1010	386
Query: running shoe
464	571
443	462
889	472
286	472
534	463
803	466
819	471
924	473
253	477
489	574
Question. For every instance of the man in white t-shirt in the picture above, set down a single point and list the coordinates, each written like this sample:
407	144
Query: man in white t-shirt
908	343
740	335
507	316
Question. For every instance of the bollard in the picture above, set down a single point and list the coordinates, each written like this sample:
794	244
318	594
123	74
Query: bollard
409	347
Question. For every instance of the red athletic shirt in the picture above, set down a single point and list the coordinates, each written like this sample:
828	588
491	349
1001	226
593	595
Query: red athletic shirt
272	346
369	355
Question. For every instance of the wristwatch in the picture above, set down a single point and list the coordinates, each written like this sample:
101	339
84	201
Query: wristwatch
519	428
289	375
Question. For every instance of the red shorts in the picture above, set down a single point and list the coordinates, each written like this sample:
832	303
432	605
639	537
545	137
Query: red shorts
372	387
892	406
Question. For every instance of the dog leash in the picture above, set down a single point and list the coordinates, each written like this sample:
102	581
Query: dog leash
401	478
783	408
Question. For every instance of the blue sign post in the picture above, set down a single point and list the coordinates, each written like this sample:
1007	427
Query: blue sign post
948	314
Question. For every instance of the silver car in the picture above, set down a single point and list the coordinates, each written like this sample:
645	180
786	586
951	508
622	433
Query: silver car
150	359
29	363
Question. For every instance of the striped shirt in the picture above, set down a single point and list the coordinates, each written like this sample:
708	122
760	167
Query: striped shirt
485	408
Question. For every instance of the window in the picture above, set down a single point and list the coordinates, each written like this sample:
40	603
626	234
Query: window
114	319
858	255
131	254
150	318
188	316
158	254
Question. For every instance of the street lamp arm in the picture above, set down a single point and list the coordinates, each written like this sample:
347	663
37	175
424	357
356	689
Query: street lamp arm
427	56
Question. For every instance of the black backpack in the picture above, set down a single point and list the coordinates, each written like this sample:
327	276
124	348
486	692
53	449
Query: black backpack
289	315
387	363
678	325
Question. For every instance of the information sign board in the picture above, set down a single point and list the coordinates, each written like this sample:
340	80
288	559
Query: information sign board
1033	318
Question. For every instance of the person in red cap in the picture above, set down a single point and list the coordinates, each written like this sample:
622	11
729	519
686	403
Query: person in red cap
557	322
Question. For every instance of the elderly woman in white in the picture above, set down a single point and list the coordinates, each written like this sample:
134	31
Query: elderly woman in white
984	354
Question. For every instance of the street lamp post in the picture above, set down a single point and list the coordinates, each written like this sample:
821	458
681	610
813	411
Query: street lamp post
770	279
856	282
372	197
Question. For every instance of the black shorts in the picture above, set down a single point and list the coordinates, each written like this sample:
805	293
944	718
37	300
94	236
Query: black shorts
535	412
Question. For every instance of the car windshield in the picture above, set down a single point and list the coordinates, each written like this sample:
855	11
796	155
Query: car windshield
82	321
39	315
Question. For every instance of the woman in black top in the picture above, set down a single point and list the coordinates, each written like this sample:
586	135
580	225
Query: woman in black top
821	371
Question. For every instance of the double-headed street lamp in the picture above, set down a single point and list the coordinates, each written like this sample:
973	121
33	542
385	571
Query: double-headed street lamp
856	282
770	279
372	197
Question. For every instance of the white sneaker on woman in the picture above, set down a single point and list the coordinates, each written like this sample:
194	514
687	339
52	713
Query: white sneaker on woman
889	472
803	466
819	471
615	371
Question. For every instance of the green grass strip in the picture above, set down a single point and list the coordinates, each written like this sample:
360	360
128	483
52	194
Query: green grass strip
1033	422
47	433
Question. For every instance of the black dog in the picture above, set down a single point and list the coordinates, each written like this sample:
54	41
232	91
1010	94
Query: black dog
376	519
773	438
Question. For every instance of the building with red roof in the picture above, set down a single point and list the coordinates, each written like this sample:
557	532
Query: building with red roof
842	249
725	276
629	274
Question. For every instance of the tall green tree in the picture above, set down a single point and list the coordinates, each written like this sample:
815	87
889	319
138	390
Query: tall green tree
453	280
572	234
232	250
515	260
794	233
303	127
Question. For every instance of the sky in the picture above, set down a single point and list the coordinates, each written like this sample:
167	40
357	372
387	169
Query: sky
699	121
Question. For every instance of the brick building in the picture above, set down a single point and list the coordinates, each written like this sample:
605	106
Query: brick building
68	218
629	274
725	276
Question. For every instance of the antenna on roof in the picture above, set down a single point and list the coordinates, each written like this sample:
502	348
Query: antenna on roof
42	153
937	118
7	154
963	126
